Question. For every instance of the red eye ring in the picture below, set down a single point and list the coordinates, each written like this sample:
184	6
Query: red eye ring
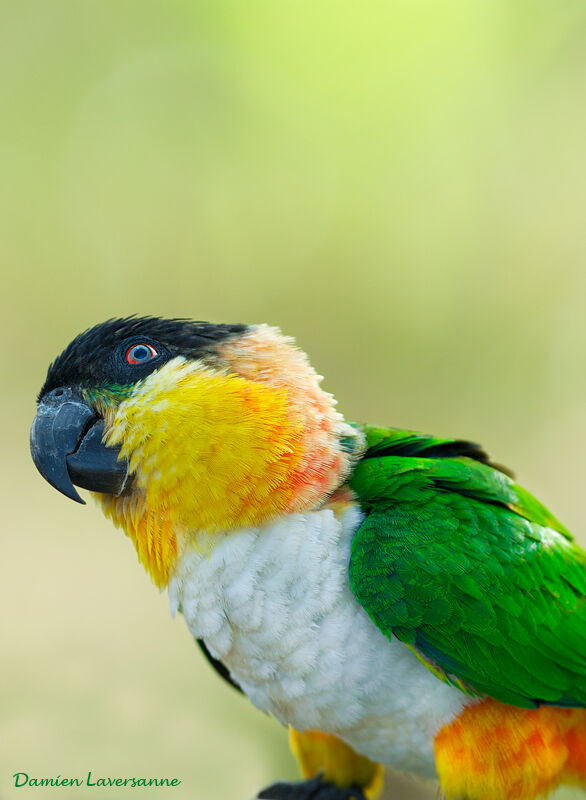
135	356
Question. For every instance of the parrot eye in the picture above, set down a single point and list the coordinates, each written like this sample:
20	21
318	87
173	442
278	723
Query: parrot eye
140	353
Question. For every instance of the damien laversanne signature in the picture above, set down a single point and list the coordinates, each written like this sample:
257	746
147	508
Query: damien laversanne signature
24	779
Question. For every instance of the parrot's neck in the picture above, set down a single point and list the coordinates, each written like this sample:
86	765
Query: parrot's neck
218	446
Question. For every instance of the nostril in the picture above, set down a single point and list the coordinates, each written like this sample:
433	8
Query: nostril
60	394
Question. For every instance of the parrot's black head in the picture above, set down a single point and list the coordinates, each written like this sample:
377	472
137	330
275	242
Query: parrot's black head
120	352
101	365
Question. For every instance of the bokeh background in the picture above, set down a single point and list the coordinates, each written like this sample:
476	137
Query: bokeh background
401	184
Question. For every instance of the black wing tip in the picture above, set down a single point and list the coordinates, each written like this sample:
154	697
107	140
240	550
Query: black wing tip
422	447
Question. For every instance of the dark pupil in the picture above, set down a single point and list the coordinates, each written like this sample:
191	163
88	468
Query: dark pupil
140	353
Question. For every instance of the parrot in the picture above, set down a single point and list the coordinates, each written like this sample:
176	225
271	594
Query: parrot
396	600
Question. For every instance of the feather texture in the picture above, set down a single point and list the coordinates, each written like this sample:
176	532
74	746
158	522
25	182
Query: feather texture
458	562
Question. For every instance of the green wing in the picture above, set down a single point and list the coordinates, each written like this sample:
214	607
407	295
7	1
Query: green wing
469	570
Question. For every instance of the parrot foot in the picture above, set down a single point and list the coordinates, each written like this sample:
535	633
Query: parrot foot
314	789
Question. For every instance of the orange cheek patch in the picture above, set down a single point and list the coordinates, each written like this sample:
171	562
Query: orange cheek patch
493	751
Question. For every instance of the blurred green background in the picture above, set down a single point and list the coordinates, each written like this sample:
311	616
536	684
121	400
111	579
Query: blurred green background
399	184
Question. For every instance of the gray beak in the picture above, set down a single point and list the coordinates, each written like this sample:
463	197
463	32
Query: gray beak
67	448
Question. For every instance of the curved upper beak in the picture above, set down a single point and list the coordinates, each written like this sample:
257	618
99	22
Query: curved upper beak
67	447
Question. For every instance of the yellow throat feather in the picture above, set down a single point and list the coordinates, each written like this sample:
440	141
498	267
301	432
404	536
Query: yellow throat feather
211	450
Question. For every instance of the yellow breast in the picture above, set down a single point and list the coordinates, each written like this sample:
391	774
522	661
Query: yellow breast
208	452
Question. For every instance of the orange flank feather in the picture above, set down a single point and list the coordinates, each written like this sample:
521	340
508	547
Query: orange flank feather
493	751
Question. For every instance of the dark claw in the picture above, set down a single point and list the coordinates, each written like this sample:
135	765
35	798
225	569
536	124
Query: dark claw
314	789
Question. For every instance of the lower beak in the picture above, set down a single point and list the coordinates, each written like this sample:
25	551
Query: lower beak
67	447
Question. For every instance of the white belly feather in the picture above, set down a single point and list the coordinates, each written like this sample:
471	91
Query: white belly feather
274	605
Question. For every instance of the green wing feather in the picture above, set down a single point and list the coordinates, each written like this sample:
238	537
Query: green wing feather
469	570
